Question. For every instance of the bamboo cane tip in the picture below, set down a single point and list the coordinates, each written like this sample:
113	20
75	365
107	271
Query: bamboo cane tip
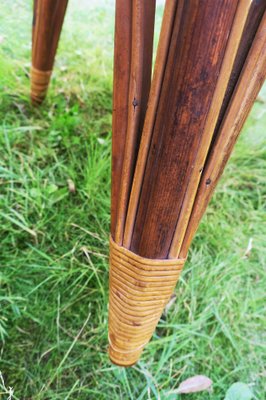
39	85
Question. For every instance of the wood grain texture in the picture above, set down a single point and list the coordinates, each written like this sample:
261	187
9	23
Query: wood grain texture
139	85
234	41
47	24
251	79
201	54
157	79
195	58
122	57
34	16
256	11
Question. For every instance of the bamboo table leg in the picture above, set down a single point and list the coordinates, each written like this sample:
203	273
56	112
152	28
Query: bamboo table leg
47	25
211	63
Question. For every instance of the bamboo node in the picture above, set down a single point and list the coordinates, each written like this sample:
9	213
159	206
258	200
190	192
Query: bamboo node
139	290
39	85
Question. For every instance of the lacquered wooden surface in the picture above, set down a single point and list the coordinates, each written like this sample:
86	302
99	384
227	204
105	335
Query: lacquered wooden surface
143	14
122	57
236	34
35	7
156	85
251	79
195	58
257	9
203	87
47	24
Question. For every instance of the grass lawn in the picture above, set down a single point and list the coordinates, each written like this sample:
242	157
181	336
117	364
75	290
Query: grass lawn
54	243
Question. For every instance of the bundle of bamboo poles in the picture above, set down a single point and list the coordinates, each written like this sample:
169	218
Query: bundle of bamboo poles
48	17
172	137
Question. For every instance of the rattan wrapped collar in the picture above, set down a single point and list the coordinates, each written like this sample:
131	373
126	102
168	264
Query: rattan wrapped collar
139	290
39	84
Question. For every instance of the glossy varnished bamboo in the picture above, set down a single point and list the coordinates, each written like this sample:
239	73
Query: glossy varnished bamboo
256	11
225	73
157	79
251	79
35	7
47	24
143	13
195	57
121	75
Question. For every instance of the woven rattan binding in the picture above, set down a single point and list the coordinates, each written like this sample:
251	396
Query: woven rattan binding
39	84
139	290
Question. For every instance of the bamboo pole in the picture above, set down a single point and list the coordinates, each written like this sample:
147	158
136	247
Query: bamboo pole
248	86
199	57
35	7
48	21
122	56
256	11
212	117
157	79
140	76
197	53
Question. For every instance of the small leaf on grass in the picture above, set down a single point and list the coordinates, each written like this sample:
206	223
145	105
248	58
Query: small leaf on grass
101	141
71	186
239	391
248	249
195	384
